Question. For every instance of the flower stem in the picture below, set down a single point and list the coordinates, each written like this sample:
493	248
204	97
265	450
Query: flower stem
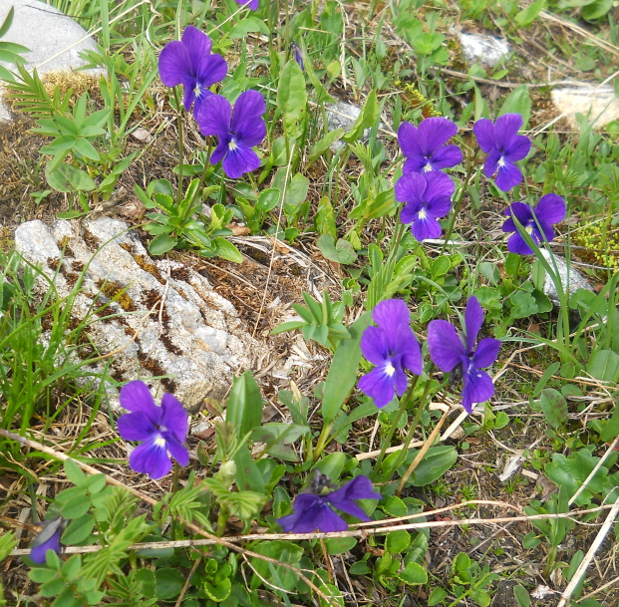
179	122
222	520
470	171
387	440
414	425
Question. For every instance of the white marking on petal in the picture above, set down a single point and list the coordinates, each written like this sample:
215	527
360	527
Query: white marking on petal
427	168
197	91
160	441
422	214
501	163
389	369
232	145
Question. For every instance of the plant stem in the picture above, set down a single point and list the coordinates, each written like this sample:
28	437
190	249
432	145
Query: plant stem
458	201
179	122
394	424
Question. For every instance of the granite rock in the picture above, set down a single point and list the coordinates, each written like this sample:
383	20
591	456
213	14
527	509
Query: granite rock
598	103
342	115
159	317
487	50
54	39
573	277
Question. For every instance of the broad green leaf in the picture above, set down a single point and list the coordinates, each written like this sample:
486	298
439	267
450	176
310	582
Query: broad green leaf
366	120
611	428
332	465
342	375
397	541
340	545
322	145
284	552
324	222
78	530
74	472
296	192
226	250
67	178
170	582
554	408
161	244
435	463
340	252
518	102
413	574
220	592
244	410
291	91
529	14
268	199
604	365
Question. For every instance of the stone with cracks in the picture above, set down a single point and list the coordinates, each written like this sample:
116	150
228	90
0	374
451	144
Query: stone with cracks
571	278
161	317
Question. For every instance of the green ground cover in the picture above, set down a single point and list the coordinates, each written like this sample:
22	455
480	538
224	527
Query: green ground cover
467	421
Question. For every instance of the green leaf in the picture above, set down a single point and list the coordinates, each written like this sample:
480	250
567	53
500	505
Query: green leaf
268	199
245	26
39	575
288	326
74	472
78	530
8	21
368	118
529	14
342	375
67	178
397	541
340	545
435	463
226	250
413	574
75	507
283	551
52	588
519	101
342	252
291	91
244	410
394	506
324	222
438	595
332	465
611	428
522	596
247	473
161	244
220	592
554	408
322	145
170	582
296	192
604	365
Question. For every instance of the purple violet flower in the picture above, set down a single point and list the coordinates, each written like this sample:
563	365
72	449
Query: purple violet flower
48	539
427	197
189	62
162	430
504	147
297	54
450	352
250	4
550	209
424	146
392	347
238	132
314	511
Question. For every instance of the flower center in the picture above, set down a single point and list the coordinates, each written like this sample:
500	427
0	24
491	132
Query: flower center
422	214
232	145
160	441
197	91
529	229
389	369
427	168
501	163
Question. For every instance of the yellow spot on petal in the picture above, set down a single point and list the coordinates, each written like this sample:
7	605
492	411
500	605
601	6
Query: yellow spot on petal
529	229
427	168
232	145
422	214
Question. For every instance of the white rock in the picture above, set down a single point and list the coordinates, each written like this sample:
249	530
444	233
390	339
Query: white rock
487	50
599	104
573	278
162	318
55	40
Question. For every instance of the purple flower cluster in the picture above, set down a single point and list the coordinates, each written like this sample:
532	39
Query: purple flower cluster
189	62
504	148
162	430
314	510
392	347
426	191
453	352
